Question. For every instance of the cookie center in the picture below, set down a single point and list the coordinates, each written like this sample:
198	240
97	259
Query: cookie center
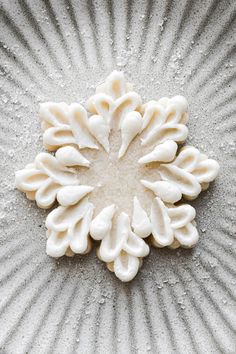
117	181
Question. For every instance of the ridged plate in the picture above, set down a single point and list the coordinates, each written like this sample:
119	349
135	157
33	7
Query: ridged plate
181	301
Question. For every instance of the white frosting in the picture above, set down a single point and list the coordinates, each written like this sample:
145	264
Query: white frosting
65	124
42	180
168	192
71	195
191	172
120	247
114	106
69	156
100	129
102	224
173	223
165	120
162	153
68	227
130	127
161	125
115	85
48	178
140	220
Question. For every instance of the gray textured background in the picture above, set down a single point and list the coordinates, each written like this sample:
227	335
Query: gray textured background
181	301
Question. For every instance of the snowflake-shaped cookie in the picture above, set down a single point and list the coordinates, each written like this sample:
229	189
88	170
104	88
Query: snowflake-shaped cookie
114	124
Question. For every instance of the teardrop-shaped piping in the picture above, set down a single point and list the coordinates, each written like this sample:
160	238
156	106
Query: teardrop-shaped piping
46	194
154	116
130	127
164	152
101	104
206	171
135	246
187	235
100	129
29	179
70	195
116	84
167	191
161	224
55	137
62	217
79	125
188	158
140	220
176	111
55	114
51	167
129	102
57	243
186	182
79	232
70	156
112	243
181	215
176	132
126	267
102	223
